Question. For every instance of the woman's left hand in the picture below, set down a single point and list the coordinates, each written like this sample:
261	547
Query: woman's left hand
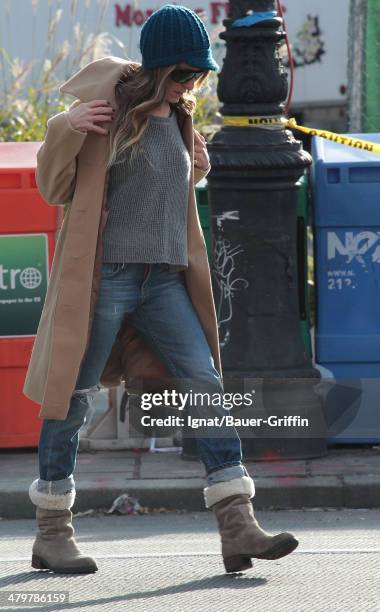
201	158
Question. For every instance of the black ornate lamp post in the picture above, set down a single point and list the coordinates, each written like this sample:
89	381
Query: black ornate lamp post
252	190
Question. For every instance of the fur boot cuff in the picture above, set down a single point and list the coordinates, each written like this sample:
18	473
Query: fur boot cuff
222	490
50	501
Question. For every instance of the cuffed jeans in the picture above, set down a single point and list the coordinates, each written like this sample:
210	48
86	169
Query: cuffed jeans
156	302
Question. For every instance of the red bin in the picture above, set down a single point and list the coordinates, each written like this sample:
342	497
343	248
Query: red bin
28	229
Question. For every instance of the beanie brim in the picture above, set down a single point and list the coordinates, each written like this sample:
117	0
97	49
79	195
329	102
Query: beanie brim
200	59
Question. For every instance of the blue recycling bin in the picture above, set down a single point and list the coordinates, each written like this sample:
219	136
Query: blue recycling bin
346	219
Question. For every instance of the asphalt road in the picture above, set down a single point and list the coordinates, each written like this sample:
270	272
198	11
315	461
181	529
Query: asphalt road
172	562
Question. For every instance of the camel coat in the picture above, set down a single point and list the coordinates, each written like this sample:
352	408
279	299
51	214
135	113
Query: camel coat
71	169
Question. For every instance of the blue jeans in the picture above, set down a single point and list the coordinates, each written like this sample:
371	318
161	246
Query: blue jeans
157	304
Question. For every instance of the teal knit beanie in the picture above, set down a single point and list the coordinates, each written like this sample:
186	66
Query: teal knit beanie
175	34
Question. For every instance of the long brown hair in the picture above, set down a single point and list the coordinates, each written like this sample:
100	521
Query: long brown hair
137	92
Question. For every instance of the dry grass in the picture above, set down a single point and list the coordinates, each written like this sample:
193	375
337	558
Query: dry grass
29	89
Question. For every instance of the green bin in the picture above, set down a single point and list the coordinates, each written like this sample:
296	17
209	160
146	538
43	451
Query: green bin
303	292
204	214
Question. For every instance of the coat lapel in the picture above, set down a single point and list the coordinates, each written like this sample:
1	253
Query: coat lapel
96	81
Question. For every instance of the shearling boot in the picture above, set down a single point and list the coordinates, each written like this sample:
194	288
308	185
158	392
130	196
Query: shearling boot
241	536
55	547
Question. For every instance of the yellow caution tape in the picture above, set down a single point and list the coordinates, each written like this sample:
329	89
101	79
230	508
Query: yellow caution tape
250	121
247	121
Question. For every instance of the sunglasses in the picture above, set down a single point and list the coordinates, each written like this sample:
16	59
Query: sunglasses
180	75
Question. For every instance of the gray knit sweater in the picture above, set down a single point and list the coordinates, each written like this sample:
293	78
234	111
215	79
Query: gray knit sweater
147	199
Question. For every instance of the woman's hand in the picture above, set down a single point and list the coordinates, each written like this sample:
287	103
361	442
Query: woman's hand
201	158
85	115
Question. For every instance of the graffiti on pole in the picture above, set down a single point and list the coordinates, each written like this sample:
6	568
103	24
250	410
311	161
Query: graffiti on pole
224	271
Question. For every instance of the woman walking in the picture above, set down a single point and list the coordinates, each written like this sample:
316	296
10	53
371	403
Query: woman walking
129	295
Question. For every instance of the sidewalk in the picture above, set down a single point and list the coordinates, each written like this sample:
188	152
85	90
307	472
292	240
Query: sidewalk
347	477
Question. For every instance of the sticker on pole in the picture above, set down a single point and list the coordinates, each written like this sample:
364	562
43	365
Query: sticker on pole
24	271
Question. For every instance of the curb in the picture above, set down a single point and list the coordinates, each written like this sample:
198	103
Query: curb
284	492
